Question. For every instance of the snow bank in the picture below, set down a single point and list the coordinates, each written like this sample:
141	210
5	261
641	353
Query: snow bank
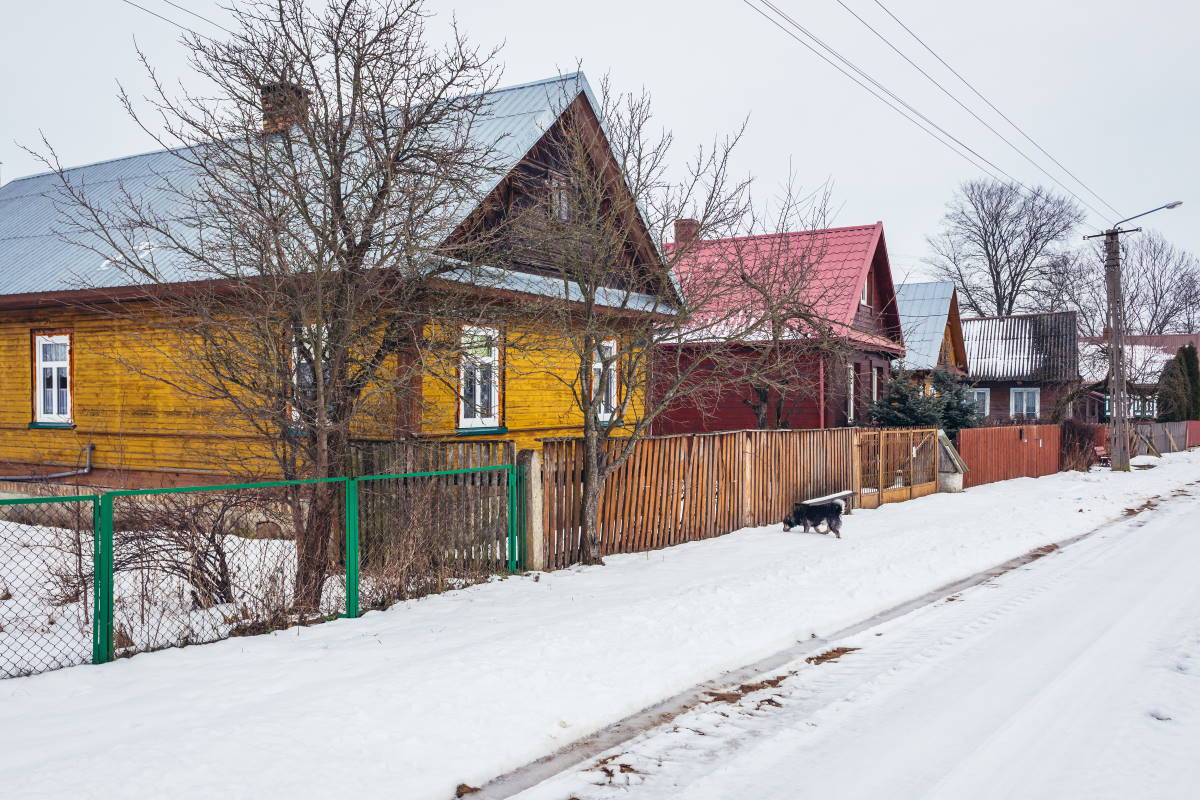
462	686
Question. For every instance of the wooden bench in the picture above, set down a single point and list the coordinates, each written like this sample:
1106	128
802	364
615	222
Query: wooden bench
847	496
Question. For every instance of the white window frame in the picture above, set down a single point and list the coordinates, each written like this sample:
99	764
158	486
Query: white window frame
608	405
1025	390
875	371
465	363
59	415
850	388
318	363
865	298
984	408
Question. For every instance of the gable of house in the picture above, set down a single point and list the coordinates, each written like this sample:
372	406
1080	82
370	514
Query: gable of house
933	336
845	272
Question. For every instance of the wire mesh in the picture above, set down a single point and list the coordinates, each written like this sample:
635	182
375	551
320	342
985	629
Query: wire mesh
200	566
421	534
46	584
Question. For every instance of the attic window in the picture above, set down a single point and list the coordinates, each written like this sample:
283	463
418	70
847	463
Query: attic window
865	299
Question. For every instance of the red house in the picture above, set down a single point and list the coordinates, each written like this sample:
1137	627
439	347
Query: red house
847	286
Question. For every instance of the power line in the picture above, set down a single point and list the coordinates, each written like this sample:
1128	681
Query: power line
199	16
992	106
167	20
810	35
871	91
969	110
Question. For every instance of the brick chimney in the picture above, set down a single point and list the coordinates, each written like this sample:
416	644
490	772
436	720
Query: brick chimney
283	105
685	231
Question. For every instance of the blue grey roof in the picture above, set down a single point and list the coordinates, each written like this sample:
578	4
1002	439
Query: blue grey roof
924	309
35	258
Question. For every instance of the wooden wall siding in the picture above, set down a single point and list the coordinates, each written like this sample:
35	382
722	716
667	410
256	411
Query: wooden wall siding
895	464
1009	451
676	489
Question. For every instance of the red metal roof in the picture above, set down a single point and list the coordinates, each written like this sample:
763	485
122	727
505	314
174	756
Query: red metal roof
833	263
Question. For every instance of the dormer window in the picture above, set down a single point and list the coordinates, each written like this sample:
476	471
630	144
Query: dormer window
865	299
560	202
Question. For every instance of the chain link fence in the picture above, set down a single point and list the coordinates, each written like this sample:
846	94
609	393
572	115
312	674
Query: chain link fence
92	578
47	583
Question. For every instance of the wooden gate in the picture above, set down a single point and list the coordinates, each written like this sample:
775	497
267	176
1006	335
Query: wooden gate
1009	451
895	464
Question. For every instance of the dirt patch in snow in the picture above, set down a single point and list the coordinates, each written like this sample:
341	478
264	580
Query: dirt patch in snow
830	655
735	695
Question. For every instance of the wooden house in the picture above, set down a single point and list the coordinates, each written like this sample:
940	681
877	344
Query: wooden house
933	337
1146	356
1023	367
68	402
848	286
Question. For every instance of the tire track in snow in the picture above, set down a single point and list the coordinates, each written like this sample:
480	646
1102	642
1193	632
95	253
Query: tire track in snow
704	737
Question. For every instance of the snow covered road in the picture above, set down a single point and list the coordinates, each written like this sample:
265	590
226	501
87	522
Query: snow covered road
1077	676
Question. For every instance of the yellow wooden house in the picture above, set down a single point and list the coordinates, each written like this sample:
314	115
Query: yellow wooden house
69	403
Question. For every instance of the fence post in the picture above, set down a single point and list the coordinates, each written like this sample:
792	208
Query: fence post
514	544
746	479
352	552
534	545
102	580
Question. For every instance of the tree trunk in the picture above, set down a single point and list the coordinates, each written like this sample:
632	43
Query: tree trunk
593	483
312	538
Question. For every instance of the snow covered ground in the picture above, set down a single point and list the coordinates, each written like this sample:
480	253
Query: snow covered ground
463	686
1077	676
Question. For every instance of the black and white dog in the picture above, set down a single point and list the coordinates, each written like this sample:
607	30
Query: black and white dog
813	516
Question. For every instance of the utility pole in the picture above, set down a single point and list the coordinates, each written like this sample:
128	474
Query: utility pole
1118	387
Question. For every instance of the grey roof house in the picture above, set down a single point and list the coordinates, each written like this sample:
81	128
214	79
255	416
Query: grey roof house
933	336
1025	366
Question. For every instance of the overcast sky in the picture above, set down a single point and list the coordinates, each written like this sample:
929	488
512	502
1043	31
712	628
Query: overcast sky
1108	88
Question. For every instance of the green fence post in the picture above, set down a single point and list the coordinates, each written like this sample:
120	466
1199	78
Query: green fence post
512	518
352	554
102	580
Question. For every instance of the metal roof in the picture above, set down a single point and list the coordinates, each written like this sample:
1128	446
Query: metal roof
924	309
35	258
1022	347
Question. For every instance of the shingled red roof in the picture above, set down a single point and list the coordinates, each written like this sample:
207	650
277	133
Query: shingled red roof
834	263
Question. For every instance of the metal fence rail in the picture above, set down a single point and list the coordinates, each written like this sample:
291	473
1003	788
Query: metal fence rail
96	577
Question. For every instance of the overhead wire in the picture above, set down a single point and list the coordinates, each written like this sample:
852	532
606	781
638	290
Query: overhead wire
993	107
971	111
895	107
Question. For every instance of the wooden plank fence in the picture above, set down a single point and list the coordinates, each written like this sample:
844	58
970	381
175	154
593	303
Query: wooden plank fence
1009	451
676	489
392	457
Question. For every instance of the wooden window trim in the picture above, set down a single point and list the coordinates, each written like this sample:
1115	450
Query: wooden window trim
37	419
496	420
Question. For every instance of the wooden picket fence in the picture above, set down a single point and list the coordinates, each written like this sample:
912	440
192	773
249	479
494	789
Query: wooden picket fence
1009	451
390	457
676	489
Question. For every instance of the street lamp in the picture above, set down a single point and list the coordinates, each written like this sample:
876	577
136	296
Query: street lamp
1117	386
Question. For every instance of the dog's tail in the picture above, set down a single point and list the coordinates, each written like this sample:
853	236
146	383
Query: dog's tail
841	504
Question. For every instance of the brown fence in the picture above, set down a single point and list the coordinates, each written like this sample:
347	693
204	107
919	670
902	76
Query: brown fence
387	457
1193	433
1010	451
896	464
677	489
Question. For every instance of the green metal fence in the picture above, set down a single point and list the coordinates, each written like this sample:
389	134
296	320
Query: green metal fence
96	577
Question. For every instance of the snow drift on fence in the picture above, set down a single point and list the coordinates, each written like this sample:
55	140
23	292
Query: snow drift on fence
460	687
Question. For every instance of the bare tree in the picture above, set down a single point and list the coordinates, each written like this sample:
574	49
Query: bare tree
623	343
305	239
1161	283
1000	242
